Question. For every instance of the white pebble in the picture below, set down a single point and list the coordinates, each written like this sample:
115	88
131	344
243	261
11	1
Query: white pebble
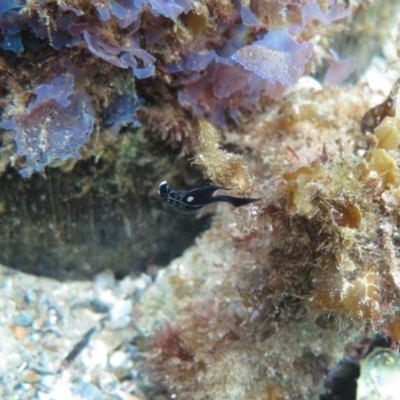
117	359
104	280
120	309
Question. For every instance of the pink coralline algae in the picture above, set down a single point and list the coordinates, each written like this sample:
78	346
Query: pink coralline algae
250	57
71	27
312	11
170	8
339	70
127	13
277	57
121	56
55	126
218	57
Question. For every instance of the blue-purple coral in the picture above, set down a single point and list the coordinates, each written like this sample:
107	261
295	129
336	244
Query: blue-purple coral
233	70
71	29
221	57
11	25
55	126
120	112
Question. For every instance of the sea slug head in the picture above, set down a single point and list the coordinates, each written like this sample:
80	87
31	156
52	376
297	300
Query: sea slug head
163	189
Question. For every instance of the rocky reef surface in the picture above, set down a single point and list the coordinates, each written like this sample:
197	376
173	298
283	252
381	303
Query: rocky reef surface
279	299
273	291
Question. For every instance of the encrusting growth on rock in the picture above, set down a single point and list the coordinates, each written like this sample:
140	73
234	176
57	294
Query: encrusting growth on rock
315	260
341	213
224	168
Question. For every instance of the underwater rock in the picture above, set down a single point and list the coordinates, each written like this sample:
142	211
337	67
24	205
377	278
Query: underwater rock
282	282
101	215
270	292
